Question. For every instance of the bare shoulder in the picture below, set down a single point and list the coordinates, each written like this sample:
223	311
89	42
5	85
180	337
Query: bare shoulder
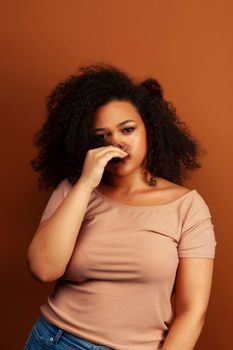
170	189
164	192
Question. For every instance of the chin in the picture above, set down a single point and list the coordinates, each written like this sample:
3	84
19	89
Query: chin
122	170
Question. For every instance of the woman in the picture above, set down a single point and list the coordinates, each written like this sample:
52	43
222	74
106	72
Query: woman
120	235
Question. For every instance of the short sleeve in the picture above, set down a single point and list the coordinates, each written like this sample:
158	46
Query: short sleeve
55	199
198	235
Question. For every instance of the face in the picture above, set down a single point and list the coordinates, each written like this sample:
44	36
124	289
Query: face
120	124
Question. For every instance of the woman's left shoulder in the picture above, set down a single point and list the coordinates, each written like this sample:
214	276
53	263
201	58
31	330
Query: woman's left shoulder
174	190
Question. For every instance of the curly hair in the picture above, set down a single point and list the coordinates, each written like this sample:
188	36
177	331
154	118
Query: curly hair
65	136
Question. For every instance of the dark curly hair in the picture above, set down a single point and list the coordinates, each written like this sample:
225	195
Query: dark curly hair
65	136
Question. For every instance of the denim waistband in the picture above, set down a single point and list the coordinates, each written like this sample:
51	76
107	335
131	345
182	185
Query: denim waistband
56	334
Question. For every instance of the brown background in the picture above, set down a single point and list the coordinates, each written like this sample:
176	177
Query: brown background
187	46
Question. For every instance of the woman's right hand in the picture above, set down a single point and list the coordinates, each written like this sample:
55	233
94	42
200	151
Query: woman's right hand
95	163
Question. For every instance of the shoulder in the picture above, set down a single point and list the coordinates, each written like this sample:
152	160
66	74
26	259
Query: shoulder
196	203
171	190
196	209
66	185
63	187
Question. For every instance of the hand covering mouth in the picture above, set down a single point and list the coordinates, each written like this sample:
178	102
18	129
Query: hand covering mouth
96	142
124	148
118	159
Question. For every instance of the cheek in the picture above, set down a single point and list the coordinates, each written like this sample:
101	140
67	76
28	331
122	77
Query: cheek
139	143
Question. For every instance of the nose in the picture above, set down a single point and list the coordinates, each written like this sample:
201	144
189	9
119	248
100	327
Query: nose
115	140
120	144
117	144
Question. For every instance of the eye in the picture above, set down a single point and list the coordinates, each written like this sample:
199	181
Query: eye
129	129
101	136
104	136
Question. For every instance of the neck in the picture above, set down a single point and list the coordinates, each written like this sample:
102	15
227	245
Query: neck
127	184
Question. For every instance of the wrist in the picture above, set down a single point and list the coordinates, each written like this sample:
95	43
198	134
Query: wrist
84	186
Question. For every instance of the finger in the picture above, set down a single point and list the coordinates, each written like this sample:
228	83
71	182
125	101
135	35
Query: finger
103	150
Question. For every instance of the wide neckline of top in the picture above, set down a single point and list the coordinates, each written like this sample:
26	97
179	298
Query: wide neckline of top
145	206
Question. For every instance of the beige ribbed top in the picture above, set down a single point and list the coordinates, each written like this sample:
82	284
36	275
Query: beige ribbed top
118	284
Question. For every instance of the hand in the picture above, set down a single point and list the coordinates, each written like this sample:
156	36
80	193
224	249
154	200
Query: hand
95	163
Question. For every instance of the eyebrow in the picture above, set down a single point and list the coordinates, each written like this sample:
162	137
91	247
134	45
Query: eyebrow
122	123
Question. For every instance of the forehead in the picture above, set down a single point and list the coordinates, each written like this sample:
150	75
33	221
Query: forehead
114	112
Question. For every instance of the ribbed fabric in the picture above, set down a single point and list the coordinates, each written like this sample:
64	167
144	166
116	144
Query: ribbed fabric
117	288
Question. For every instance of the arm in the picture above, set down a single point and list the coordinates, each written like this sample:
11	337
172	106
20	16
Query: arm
193	286
53	243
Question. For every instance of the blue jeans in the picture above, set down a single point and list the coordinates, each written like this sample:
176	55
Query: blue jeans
45	335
